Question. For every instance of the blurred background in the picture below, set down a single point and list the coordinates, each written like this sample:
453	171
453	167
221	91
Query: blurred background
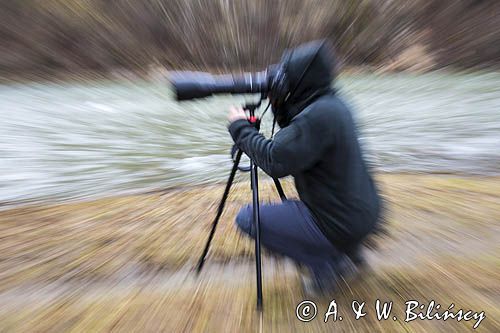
108	185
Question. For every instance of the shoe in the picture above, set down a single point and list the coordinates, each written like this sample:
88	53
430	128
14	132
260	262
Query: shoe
323	281
309	287
357	257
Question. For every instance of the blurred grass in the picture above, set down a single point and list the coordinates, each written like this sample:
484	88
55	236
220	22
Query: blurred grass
122	263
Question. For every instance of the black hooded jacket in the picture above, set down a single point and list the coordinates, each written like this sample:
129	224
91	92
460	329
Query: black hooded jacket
319	148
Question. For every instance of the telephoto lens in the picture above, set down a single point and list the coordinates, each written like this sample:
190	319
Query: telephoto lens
191	85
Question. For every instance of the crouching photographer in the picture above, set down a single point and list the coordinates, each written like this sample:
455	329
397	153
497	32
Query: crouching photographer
318	145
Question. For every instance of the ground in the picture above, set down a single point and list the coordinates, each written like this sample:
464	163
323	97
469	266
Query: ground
124	263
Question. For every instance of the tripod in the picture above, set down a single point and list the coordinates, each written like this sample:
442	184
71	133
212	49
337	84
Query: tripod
254	185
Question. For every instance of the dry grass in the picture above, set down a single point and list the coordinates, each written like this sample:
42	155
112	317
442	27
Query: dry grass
122	264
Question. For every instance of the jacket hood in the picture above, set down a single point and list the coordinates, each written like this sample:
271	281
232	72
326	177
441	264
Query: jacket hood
309	68
310	71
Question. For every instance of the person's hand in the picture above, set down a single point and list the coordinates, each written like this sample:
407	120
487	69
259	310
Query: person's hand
236	113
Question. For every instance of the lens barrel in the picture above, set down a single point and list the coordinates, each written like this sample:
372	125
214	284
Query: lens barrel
191	85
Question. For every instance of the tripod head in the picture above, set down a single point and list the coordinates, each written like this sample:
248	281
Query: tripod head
255	121
251	107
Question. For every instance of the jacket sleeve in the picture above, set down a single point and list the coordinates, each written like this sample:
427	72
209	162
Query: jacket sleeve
295	148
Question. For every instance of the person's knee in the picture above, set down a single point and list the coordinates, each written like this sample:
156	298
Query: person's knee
244	220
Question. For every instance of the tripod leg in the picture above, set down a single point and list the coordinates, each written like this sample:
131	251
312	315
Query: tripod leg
279	188
201	261
256	221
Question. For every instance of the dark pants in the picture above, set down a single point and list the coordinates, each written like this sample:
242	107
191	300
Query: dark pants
288	228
